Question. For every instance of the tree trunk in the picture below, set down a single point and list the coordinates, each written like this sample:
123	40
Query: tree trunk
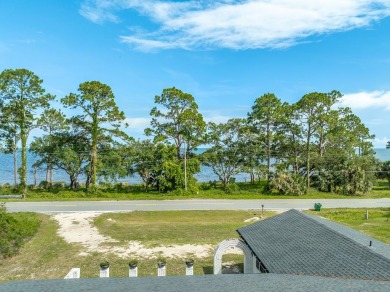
35	176
93	165
95	137
15	167
23	168
320	143
47	176
88	180
178	152
51	174
268	153
73	182
308	159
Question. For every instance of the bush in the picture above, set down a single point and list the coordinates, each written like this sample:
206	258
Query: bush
15	230
43	184
59	184
6	186
287	183
231	188
204	186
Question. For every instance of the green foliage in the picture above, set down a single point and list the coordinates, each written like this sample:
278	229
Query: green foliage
314	110
287	183
69	152
21	92
178	121
384	171
329	147
267	117
225	157
99	108
231	188
346	175
208	185
159	167
15	229
53	122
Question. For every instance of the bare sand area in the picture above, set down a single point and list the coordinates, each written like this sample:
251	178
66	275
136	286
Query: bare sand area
79	228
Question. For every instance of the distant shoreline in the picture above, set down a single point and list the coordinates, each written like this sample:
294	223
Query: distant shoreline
205	175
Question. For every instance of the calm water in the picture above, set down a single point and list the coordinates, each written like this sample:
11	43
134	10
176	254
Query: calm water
205	175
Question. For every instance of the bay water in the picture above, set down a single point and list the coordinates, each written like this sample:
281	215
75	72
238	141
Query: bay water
205	175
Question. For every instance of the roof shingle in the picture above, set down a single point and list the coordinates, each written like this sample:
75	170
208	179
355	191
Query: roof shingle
297	243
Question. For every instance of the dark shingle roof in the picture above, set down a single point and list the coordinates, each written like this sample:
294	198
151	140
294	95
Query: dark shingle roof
215	283
297	243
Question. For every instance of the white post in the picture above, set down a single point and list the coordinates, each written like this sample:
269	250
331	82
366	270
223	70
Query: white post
73	274
161	271
189	271
104	273
133	272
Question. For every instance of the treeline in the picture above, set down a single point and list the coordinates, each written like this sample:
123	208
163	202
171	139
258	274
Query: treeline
312	143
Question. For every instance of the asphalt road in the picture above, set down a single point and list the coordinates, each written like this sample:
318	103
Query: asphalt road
152	205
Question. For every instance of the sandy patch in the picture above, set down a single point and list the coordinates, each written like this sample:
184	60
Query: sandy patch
78	228
252	219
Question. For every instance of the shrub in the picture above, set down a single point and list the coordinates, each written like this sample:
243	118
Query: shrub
208	186
15	230
287	183
231	188
59	184
6	186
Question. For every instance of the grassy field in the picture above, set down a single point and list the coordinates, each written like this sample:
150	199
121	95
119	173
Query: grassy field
174	227
48	256
377	225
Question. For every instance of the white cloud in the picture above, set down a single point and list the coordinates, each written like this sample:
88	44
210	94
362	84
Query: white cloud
218	117
138	124
100	10
363	100
380	142
240	24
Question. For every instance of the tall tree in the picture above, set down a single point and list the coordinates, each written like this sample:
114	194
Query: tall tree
71	154
9	136
52	121
290	137
21	89
225	156
312	111
267	116
252	151
348	156
351	134
178	120
100	119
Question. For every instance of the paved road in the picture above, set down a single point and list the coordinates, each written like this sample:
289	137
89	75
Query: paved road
124	206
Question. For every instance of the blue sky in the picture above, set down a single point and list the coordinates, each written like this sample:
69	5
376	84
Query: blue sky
225	53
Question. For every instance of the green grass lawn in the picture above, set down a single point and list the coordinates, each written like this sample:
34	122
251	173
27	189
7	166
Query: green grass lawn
48	256
377	225
174	227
